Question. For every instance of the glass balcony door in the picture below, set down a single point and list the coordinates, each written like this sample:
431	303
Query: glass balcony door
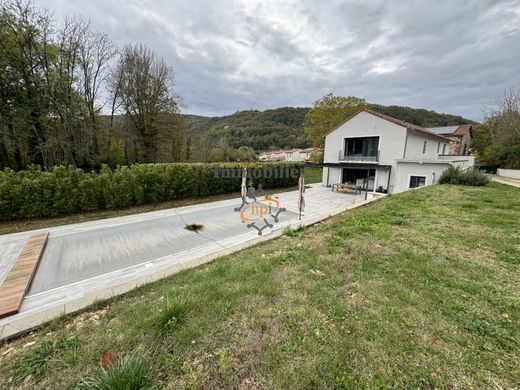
361	147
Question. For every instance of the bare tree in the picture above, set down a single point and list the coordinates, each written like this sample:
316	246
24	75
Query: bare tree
95	52
145	92
503	119
114	87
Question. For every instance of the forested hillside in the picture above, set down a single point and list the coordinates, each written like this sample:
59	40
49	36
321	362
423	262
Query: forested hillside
283	127
278	128
421	117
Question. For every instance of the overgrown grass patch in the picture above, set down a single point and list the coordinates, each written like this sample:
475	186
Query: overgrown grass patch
49	355
171	315
129	373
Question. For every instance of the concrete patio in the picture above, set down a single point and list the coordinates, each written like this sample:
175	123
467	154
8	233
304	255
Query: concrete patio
96	260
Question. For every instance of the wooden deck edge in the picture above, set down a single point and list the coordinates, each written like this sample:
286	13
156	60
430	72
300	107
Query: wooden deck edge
19	277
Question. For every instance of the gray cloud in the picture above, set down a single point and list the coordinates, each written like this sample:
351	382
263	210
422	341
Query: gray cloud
448	56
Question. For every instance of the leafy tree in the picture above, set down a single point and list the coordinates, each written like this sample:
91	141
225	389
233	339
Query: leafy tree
245	153
24	83
498	140
327	113
480	139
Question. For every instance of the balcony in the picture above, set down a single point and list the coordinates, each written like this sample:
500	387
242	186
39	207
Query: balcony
372	158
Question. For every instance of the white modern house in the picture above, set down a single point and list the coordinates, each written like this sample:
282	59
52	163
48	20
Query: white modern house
378	153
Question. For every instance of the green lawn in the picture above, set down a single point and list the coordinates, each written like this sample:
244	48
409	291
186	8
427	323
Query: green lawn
313	175
417	290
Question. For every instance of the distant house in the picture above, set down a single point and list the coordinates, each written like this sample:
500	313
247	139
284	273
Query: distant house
287	155
373	151
459	135
305	154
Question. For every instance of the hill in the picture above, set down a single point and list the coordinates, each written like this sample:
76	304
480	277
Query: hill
420	116
260	130
282	127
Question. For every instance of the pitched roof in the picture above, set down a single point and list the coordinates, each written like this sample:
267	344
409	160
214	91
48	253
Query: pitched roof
450	130
408	126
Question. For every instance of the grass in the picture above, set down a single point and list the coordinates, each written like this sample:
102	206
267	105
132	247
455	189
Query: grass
171	315
130	373
313	175
47	355
417	290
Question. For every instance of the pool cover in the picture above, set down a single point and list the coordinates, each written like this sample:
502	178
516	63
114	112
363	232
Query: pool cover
76	256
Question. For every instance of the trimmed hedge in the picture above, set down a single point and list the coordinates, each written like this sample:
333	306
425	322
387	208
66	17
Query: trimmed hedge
65	190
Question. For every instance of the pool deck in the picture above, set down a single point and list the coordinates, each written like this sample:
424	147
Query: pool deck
96	260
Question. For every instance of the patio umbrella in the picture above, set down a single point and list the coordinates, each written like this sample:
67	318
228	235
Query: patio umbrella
243	188
301	192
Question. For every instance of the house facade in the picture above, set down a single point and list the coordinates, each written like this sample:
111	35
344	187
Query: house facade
379	153
460	137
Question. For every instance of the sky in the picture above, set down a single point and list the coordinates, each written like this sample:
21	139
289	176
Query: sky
452	56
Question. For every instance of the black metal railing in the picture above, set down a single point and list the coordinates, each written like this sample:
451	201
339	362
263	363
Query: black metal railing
358	157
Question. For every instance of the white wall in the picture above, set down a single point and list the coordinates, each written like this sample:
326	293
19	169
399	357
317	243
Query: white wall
512	173
332	174
415	144
464	162
382	178
391	137
405	170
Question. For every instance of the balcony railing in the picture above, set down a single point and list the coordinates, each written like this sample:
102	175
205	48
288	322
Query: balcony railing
358	157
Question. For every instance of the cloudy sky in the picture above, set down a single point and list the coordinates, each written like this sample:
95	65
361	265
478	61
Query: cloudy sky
448	56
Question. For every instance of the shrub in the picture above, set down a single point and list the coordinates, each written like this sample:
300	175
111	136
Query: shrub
471	177
36	193
130	373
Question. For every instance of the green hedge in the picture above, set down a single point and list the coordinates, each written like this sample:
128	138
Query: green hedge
37	193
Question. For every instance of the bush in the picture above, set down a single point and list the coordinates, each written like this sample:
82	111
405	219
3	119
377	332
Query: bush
471	177
36	193
130	373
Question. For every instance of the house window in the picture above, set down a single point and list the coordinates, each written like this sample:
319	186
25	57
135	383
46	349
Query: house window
424	147
361	178
361	146
443	149
417	181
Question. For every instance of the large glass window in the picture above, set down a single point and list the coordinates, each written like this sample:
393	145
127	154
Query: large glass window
362	146
417	181
361	178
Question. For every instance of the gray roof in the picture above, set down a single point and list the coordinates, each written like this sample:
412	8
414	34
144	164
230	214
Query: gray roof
443	130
